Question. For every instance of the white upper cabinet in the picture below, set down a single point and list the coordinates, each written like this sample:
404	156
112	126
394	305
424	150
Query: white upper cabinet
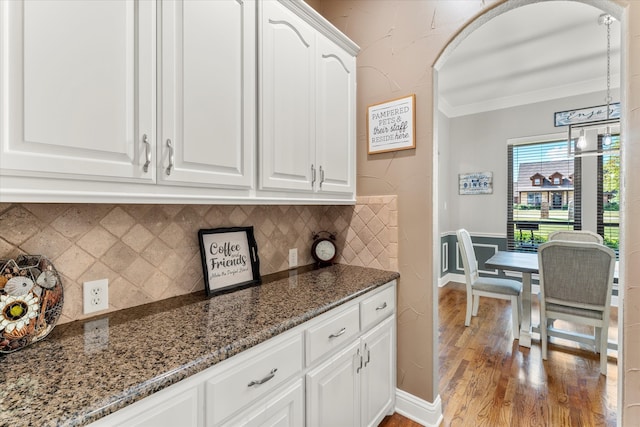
287	110
208	93
307	105
335	118
77	84
140	101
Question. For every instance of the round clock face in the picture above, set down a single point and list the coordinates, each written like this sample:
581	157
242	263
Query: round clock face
324	250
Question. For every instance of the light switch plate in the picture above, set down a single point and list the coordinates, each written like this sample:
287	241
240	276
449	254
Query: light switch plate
293	257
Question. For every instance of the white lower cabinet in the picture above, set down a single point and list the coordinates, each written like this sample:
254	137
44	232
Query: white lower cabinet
333	390
335	370
356	387
377	379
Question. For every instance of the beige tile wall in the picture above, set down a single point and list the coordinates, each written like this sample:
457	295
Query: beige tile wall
151	252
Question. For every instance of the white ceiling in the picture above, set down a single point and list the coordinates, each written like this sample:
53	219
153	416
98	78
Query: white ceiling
533	53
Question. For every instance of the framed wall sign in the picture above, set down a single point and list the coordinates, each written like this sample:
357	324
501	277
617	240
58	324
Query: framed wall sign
229	259
475	183
391	125
587	115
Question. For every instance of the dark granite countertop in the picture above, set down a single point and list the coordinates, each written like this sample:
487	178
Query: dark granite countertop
72	378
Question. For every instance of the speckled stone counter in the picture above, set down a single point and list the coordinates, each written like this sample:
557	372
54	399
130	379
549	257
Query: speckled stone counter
78	375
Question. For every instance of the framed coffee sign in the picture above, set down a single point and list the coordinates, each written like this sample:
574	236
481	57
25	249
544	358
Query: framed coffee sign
229	259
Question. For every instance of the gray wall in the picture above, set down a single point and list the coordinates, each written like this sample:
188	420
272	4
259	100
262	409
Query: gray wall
478	143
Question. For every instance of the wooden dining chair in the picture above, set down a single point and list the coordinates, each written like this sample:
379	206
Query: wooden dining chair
575	236
492	287
575	286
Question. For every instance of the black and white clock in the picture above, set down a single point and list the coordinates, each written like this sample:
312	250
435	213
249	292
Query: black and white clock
323	249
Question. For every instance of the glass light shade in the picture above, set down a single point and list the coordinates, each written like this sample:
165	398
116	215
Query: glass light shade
606	138
582	140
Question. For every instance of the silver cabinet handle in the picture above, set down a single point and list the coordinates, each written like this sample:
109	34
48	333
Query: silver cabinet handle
171	157
359	367
145	140
321	176
382	307
313	176
368	355
337	334
264	380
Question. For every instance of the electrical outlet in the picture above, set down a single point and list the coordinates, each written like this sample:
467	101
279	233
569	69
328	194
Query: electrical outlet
293	257
96	295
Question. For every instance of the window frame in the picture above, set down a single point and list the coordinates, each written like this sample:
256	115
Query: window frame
575	180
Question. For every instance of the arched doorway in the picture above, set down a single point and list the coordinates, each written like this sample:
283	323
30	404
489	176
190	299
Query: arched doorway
442	188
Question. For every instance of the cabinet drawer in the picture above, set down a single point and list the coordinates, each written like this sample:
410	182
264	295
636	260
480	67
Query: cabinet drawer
332	333
377	307
250	379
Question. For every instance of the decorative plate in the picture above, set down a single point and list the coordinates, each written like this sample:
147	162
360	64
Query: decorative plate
30	301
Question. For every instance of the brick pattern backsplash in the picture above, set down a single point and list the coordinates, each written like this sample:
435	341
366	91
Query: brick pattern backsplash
151	252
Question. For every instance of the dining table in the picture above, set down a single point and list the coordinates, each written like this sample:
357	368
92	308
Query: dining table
527	264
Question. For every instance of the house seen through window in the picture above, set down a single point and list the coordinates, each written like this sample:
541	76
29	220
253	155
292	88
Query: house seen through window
550	189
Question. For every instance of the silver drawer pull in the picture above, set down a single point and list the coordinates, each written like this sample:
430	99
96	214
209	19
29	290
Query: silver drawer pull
337	334
382	307
265	379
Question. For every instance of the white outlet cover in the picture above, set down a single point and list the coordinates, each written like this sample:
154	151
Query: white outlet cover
95	296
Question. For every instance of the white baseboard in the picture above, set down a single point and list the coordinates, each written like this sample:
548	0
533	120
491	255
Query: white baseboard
451	277
418	410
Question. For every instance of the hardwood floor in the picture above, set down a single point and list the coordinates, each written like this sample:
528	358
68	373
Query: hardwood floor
397	420
486	379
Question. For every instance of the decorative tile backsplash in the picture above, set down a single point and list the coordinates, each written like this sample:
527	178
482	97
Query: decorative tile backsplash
151	252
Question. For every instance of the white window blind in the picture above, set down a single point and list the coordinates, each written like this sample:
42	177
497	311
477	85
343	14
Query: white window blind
543	193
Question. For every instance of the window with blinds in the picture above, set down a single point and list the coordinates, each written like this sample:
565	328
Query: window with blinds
543	193
608	202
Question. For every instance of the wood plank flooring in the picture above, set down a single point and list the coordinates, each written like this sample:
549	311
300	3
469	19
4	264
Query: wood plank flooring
486	379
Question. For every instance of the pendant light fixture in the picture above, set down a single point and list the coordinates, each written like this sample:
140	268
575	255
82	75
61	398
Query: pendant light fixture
577	147
606	19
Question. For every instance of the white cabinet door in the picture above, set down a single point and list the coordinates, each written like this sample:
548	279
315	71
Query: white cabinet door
77	89
287	76
336	118
208	93
284	409
377	379
333	390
